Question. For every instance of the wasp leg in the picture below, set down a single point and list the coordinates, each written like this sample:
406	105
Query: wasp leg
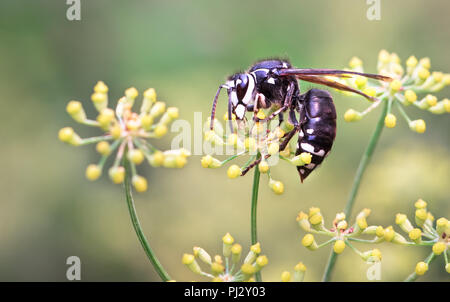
286	104
256	162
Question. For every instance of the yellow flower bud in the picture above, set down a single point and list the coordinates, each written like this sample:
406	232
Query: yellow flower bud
115	131
362	223
156	159
158	109
309	242
261	115
389	233
411	62
93	172
101	87
361	82
75	109
66	134
146	121
250	143
441	225
217	268
256	248
105	117
339	246
421	268
439	248
100	100
447	267
248	269
232	139
303	158
236	251
233	171
103	148
285	276
342	225
189	261
206	161
139	183
299	272
136	156
395	85
379	232
228	239
425	62
376	254
202	255
423	73
263	166
316	219
415	234
313	210
273	148
410	96
131	93
370	91
261	261
420	204
418	126
303	222
160	130
437	76
173	112
150	94
352	115
390	120
384	56
276	186
355	62
117	174
180	161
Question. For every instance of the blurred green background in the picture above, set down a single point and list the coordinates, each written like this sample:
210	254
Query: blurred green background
185	49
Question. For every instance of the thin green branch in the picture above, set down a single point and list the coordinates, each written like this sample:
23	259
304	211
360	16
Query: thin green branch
254	235
357	181
138	229
413	277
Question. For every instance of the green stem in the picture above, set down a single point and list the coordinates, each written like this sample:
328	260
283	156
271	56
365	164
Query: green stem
254	235
137	227
414	276
357	181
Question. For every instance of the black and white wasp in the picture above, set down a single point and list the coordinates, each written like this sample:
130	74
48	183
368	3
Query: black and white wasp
273	83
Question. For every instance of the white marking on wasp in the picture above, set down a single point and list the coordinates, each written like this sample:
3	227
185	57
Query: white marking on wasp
240	111
261	99
310	166
233	96
271	81
250	88
302	171
301	135
310	149
230	84
285	65
310	131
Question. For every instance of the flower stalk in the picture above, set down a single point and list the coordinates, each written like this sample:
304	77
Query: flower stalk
357	182
138	229
253	227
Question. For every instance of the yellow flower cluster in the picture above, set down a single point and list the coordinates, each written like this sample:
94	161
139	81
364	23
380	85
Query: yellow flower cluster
409	81
227	267
127	132
426	233
341	232
260	143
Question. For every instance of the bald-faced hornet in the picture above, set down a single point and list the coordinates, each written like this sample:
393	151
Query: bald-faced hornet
273	83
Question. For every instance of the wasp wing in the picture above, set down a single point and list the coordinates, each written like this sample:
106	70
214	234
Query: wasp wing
330	72
318	76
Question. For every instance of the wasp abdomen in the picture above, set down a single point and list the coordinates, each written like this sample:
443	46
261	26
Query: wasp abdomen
318	129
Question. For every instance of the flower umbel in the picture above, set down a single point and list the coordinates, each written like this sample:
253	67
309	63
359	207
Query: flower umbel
427	233
227	267
341	233
413	84
127	133
262	145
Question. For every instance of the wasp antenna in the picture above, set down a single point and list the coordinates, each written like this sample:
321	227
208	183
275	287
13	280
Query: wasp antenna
213	111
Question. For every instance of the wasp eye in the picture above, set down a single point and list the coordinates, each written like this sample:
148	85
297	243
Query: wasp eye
241	86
